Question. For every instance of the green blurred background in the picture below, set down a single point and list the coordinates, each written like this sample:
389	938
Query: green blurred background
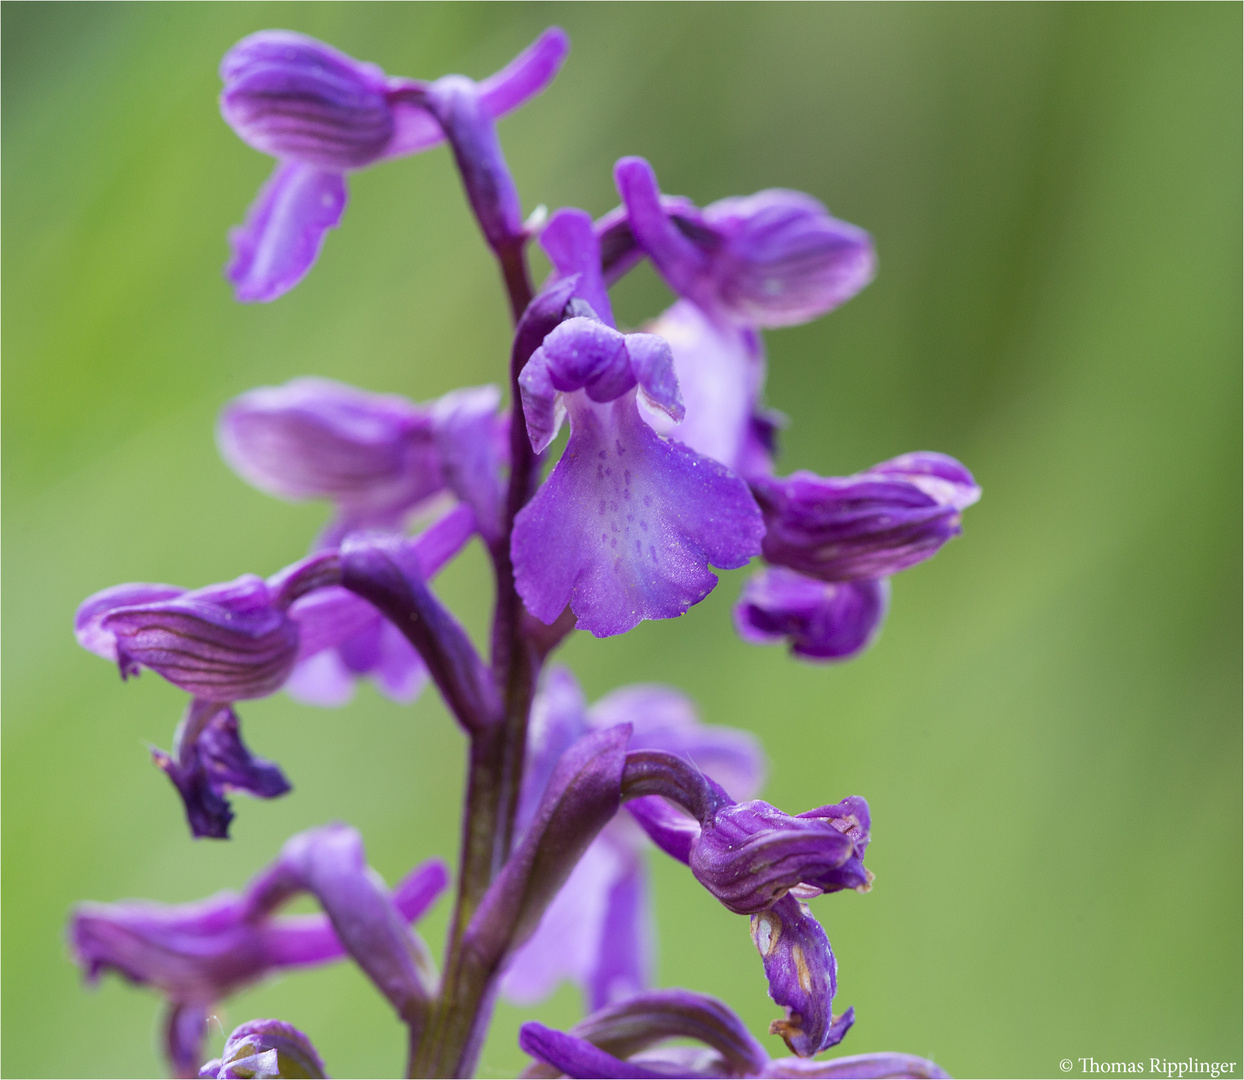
1048	730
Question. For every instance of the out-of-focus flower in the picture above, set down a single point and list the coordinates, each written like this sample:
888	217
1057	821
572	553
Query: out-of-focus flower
771	259
197	954
322	114
598	931
629	1039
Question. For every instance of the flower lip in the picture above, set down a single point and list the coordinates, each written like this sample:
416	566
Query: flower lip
823	621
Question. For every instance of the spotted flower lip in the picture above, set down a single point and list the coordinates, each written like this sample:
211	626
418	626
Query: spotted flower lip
321	114
629	1039
822	621
771	259
270	1048
869	525
221	643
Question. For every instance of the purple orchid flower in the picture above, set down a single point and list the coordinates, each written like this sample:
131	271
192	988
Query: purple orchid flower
771	259
759	861
377	457
627	523
265	1048
322	114
822	620
625	1040
247	639
597	932
869	525
200	953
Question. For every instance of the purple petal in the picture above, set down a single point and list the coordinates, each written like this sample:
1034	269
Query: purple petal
198	953
570	243
720	373
544	407
664	719
869	525
523	78
471	441
578	1058
323	680
784	260
527	74
399	673
222	643
471	130
284	230
87	622
683	265
882	1066
373	454
330	864
623	957
671	830
184	1034
558	720
584	353
298	99
821	620
569	939
653	367
802	974
625	527
643	1020
752	854
939	476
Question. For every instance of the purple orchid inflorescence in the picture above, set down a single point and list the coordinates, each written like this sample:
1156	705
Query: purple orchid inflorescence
668	470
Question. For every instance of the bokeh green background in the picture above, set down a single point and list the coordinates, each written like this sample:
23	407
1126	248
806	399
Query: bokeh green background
1048	730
